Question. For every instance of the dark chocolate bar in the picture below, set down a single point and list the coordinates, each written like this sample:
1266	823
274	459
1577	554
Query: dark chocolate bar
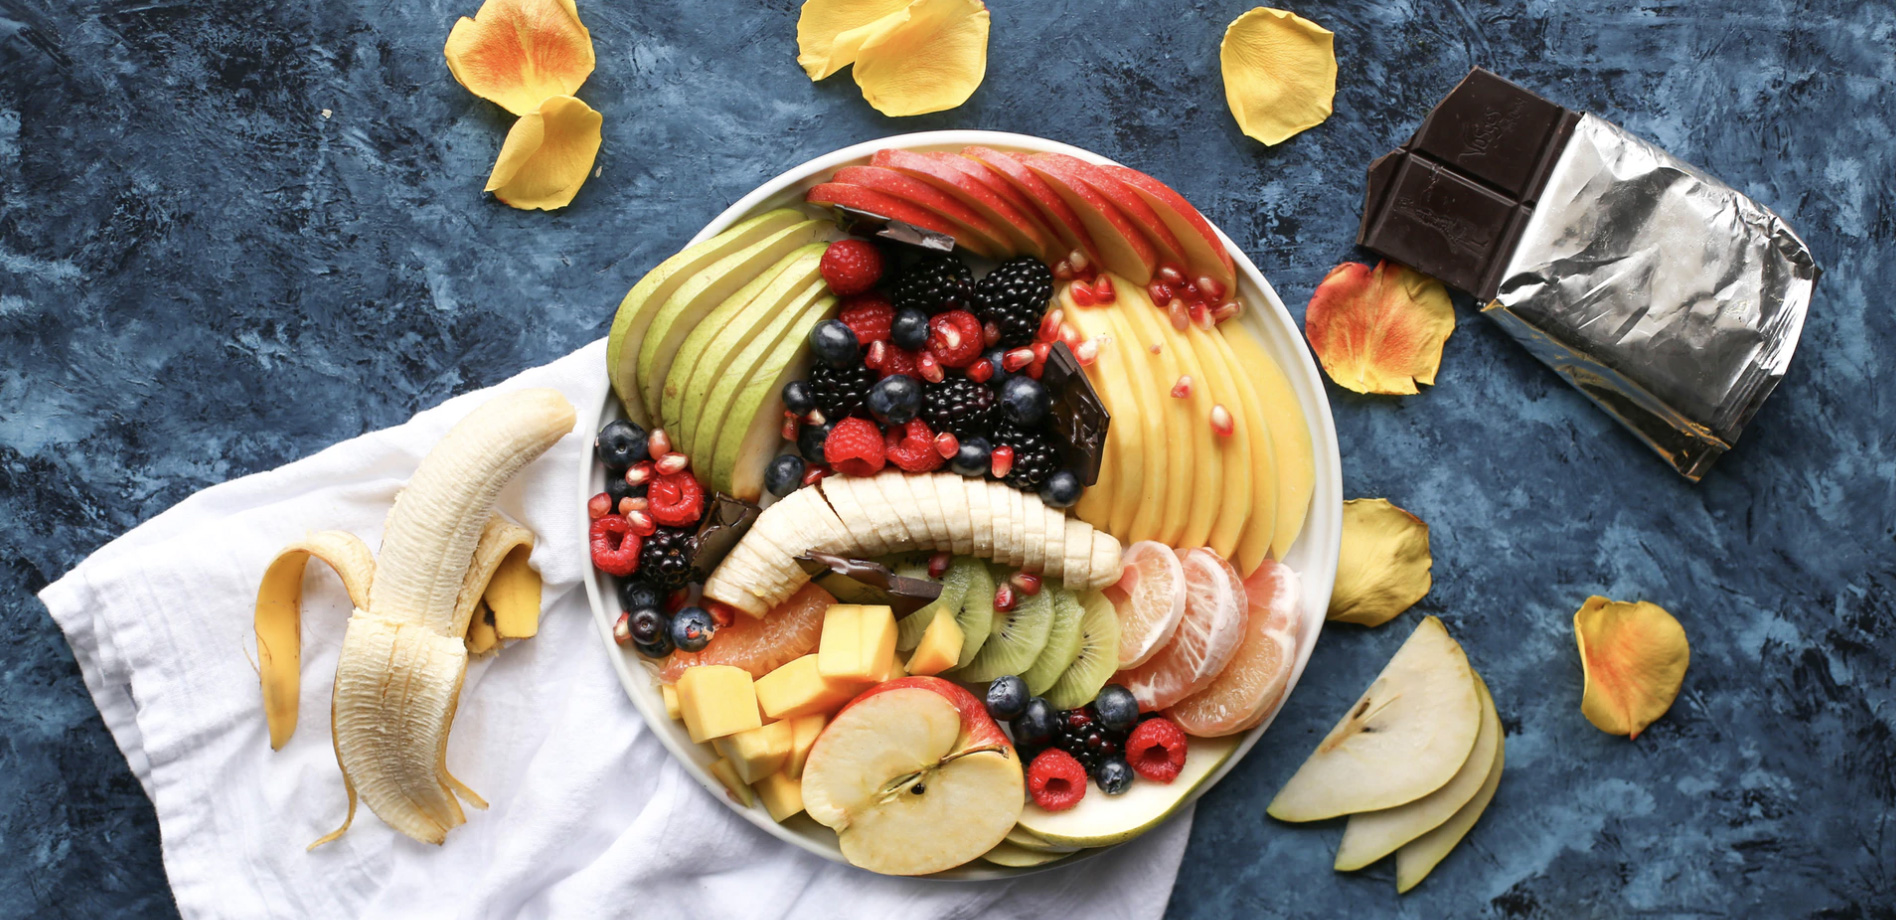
726	518
860	581
865	223
1078	418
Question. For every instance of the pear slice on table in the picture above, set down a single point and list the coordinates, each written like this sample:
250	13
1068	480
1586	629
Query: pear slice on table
1406	737
1420	856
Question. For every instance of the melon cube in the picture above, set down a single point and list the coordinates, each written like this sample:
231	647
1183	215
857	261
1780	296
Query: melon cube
858	643
796	689
717	700
782	795
727	776
759	752
939	648
804	730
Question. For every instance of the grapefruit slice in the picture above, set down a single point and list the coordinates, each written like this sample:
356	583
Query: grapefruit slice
1150	600
1254	680
1206	639
760	644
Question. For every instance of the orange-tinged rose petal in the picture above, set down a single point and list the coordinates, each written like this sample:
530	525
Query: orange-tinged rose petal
1634	656
516	53
1383	566
1279	73
831	32
931	62
1379	331
547	155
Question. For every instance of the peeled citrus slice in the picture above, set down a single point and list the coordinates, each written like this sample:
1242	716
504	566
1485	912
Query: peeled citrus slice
760	644
1254	680
1150	599
1206	639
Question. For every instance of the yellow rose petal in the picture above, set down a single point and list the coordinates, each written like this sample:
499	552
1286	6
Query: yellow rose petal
1383	568
1379	331
1279	73
516	53
830	32
547	155
1634	656
931	62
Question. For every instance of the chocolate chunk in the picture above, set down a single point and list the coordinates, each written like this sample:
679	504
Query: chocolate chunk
866	223
1452	201
1078	418
725	520
860	581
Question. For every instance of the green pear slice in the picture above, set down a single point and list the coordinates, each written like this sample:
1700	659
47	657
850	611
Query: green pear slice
1026	841
711	352
1405	738
1418	857
697	296
1371	835
643	301
1015	857
1102	820
752	429
671	396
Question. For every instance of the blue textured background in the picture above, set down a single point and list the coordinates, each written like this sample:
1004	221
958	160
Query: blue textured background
202	275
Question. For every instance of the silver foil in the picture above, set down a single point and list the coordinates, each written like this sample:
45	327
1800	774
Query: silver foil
1666	296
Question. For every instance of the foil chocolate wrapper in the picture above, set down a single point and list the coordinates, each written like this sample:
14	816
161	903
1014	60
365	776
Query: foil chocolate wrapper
1670	299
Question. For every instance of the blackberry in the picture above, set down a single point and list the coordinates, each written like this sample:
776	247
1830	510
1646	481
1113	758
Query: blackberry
839	392
1013	297
935	284
665	558
960	405
1034	459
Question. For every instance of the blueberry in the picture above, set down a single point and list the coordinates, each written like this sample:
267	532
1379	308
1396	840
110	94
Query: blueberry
835	344
1061	490
895	399
620	444
973	458
910	329
616	488
692	628
635	593
1117	708
1006	697
797	397
655	650
996	358
648	624
1024	401
1113	775
1036	723
784	474
810	440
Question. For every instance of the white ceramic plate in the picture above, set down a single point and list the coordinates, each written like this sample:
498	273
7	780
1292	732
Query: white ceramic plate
1313	557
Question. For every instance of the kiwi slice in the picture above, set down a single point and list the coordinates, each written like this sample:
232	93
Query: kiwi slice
954	587
1018	637
976	617
1098	657
1063	643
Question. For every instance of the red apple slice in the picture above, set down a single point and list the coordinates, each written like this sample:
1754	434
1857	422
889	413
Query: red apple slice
1205	252
889	206
1123	249
1054	209
1123	197
922	195
948	174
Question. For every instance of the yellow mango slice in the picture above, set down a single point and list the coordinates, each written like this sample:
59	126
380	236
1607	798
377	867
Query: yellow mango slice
1381	330
547	155
1383	568
517	53
1634	656
1279	73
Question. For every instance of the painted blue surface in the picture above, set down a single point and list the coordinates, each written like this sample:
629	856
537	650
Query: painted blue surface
232	233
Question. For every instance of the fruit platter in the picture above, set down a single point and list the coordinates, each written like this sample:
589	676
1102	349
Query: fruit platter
963	504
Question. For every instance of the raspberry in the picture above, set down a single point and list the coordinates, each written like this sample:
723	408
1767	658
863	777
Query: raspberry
869	316
954	338
854	448
898	361
676	499
912	447
1156	750
851	266
615	548
1056	781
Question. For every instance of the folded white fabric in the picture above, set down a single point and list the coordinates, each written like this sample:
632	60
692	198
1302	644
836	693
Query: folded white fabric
589	814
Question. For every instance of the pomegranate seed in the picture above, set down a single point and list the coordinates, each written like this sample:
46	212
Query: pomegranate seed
1159	291
672	463
632	503
990	333
1037	368
658	443
1064	270
1025	582
815	472
1190	294
790	428
1225	311
929	368
1156	348
938	564
1069	335
1078	260
1041	350
1183	387
598	506
1001	461
1004	597
1221	421
1202	316
1016	359
622	629
1104	290
981	371
1176	312
815	417
1082	294
1210	287
947	445
1171	275
1087	353
642	523
878	353
639	474
1050	325
721	614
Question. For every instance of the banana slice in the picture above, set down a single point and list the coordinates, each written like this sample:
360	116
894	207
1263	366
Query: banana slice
1079	553
856	521
1054	526
1033	542
927	504
980	516
900	501
1018	521
952	498
1104	565
1001	509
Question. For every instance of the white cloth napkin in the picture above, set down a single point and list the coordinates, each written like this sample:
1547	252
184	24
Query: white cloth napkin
589	815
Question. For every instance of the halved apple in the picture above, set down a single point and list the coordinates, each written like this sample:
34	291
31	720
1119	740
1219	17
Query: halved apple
889	206
914	777
1205	252
1406	737
1123	250
1102	820
955	177
926	196
1371	835
1052	207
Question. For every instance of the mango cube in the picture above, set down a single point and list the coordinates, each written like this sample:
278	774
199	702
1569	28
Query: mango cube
727	775
759	752
717	700
858	643
939	648
671	701
782	795
796	689
804	730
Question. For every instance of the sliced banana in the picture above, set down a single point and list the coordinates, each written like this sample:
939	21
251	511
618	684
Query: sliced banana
1079	553
980	517
952	498
1054	526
